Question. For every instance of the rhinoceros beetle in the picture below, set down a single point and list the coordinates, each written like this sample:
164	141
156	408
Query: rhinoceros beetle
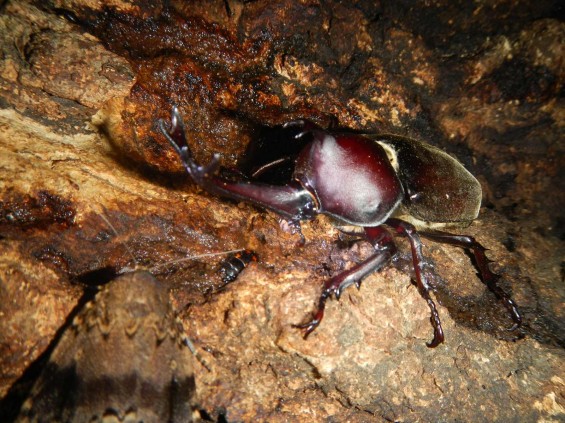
370	181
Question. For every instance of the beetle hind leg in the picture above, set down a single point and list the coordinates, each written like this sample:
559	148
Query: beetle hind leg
383	242
486	275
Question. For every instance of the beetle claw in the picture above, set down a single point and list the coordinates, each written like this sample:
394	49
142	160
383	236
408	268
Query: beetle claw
513	327
438	339
337	293
308	327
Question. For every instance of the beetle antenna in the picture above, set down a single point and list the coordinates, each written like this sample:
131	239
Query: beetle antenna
126	246
186	341
103	216
198	256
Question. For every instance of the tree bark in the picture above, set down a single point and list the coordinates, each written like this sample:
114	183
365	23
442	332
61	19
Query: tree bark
90	189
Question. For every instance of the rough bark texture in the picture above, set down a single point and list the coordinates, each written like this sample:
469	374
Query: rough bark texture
81	156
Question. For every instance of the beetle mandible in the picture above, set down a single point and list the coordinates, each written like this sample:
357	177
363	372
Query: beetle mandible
373	182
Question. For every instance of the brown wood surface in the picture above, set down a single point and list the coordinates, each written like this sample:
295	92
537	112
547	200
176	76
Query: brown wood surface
80	147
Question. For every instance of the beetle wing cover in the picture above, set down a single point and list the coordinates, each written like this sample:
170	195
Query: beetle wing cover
438	189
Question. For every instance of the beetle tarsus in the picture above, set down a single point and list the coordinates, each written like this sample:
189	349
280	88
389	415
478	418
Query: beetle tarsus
175	135
309	326
436	324
177	138
312	324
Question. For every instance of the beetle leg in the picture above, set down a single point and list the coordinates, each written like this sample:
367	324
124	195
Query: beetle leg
294	227
418	261
383	242
486	275
177	138
291	201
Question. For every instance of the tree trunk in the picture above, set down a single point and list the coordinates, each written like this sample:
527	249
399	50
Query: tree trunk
89	189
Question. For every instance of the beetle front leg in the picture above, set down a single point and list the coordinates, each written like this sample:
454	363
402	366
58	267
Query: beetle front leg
422	284
383	242
291	201
486	275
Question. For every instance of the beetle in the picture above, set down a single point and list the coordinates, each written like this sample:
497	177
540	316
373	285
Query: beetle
370	181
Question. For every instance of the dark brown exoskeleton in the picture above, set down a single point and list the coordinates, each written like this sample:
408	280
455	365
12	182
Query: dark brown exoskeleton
231	267
367	181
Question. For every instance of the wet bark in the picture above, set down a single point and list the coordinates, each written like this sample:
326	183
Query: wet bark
89	189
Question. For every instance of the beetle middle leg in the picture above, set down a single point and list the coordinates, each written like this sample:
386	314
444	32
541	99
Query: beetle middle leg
408	230
383	242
